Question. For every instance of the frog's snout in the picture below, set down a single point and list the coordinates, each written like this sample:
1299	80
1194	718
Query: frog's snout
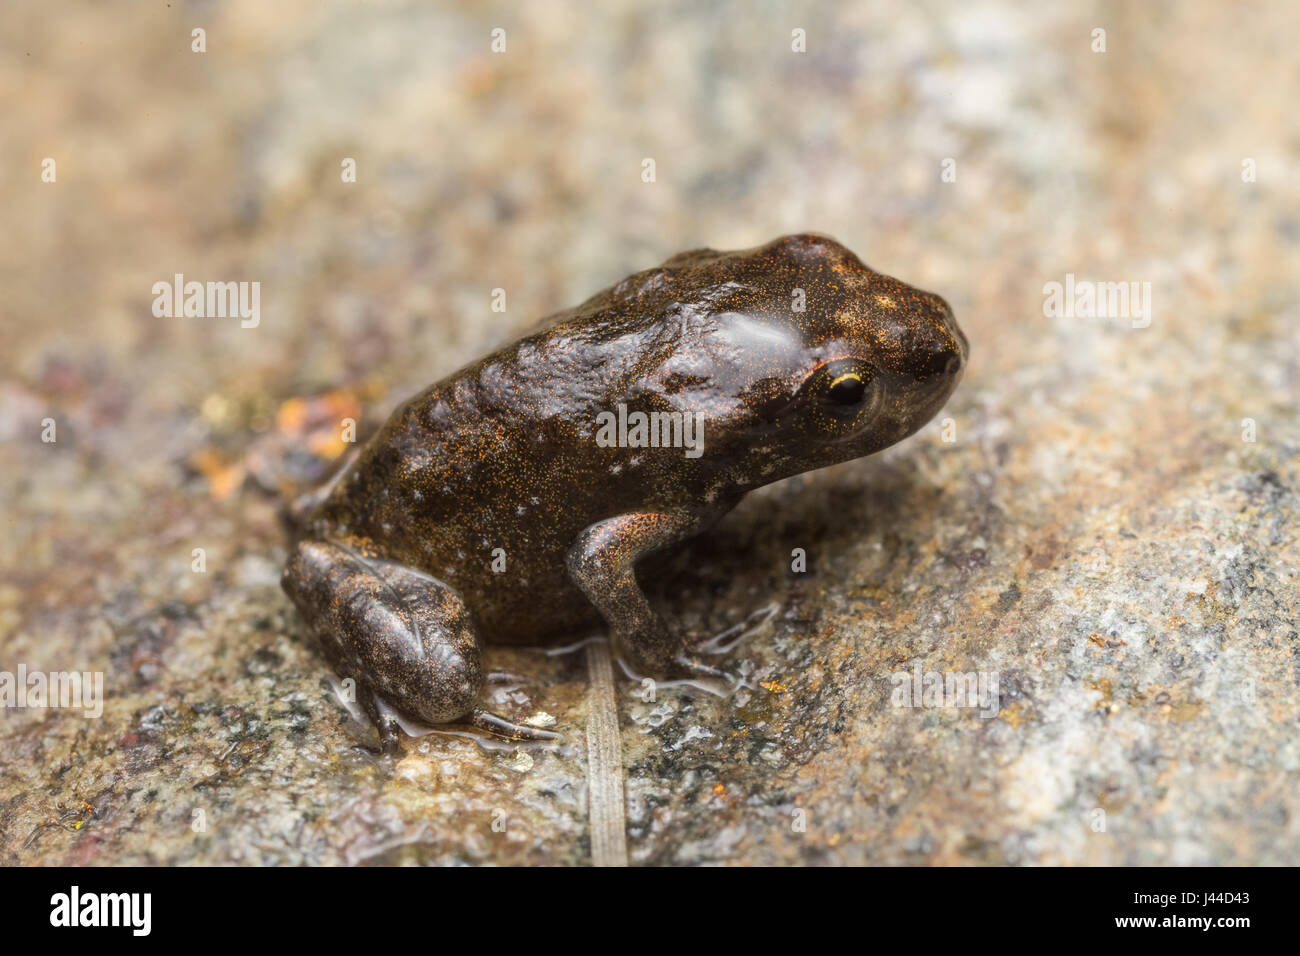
963	344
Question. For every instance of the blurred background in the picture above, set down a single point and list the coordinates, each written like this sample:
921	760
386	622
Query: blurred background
1101	532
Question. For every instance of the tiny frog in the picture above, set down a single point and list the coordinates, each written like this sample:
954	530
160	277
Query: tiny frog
516	501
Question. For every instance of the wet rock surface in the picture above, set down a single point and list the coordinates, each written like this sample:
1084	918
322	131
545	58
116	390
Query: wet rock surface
1104	533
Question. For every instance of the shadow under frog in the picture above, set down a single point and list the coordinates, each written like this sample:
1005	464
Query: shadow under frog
494	508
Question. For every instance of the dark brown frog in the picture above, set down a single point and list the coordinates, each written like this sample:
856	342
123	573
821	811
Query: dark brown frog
514	501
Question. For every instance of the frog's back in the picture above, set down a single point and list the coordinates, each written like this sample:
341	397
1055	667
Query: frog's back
485	479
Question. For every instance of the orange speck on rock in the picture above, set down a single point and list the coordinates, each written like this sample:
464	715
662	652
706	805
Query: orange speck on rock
223	477
291	415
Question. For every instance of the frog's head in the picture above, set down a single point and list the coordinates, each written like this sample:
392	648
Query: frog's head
814	357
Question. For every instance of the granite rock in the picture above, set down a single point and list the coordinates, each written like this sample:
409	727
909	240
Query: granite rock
1100	529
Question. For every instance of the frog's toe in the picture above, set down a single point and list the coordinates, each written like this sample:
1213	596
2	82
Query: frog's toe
502	727
690	667
390	738
390	731
505	677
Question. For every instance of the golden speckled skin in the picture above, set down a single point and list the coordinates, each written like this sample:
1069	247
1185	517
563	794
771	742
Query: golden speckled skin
796	355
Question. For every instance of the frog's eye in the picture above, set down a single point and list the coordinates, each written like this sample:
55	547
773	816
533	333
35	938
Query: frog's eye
841	396
847	389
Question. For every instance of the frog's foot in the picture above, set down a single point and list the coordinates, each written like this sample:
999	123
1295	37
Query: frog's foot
683	671
405	637
602	563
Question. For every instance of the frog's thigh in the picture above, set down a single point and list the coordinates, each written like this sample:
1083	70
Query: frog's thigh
398	632
602	563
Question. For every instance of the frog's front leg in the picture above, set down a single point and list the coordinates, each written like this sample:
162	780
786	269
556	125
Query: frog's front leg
405	637
602	562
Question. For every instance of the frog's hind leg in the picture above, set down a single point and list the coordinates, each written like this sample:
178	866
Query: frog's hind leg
294	513
404	637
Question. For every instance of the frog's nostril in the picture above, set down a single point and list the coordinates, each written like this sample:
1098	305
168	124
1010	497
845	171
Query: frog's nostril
941	362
